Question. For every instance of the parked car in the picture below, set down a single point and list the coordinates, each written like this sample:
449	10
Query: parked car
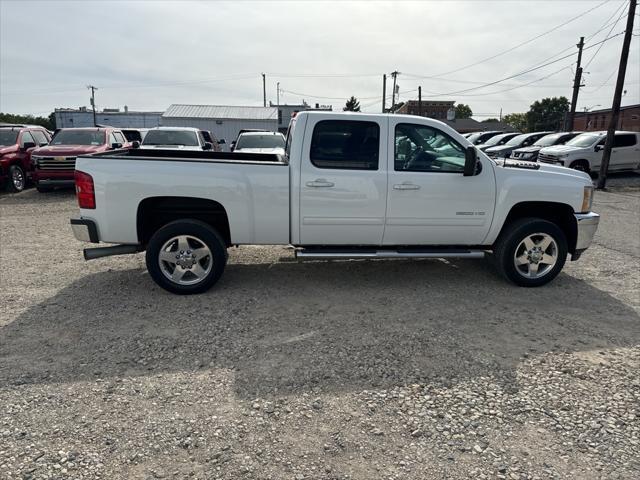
17	143
584	152
135	134
345	189
519	141
479	138
245	130
530	154
55	163
180	138
260	142
496	140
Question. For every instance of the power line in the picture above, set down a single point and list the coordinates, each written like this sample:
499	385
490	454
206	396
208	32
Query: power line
624	13
523	43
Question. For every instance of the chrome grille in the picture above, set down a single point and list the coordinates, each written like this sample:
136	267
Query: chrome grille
548	159
53	163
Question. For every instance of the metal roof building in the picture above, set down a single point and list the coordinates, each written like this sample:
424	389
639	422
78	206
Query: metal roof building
224	121
83	117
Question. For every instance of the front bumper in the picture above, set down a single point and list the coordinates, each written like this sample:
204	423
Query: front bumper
85	230
587	226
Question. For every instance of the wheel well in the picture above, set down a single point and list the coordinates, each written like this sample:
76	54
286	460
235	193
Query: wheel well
155	212
559	213
581	160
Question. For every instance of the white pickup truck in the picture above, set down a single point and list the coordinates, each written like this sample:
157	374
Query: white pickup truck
349	186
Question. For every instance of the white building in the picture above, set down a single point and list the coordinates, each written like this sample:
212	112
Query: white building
223	121
83	117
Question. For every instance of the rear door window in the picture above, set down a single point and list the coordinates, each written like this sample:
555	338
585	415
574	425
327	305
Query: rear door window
120	138
624	140
345	145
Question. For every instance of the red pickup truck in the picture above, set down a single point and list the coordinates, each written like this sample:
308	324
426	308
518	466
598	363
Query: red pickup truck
54	165
17	142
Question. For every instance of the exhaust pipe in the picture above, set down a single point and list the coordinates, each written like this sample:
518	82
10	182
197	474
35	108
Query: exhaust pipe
99	252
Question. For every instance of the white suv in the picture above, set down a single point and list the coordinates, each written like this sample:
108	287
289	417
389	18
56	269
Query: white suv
584	152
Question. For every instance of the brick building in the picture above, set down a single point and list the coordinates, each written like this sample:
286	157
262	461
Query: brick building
430	108
629	119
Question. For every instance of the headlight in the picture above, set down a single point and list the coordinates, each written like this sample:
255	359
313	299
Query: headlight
564	155
587	199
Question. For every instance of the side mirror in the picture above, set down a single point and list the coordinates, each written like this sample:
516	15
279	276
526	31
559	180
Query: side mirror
135	144
232	147
598	148
27	146
221	141
207	146
116	145
470	161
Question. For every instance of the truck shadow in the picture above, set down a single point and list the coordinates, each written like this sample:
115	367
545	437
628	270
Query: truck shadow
318	327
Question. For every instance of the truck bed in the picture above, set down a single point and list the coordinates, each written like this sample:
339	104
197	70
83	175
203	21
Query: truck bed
252	187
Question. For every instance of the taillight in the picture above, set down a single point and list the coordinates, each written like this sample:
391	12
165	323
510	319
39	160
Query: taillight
84	190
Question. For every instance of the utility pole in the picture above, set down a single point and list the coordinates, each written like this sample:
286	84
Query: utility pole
278	93
93	102
394	74
384	92
420	100
617	97
264	90
576	87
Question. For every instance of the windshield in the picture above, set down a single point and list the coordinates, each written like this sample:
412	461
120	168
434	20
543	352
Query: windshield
584	140
171	137
499	139
78	137
8	137
548	140
260	141
517	140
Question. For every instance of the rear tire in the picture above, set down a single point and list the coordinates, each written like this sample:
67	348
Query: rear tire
186	257
530	252
17	179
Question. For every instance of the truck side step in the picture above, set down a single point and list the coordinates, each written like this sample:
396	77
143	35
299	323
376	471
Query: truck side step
323	253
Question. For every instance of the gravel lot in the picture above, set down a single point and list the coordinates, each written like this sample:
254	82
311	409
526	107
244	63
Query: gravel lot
319	370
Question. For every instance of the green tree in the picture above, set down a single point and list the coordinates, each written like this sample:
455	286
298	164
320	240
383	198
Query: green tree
517	121
352	105
547	114
46	122
487	120
463	111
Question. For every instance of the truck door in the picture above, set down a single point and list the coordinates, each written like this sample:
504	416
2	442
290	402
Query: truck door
625	152
430	201
343	184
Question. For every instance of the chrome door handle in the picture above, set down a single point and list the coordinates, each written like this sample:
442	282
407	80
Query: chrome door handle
406	186
321	182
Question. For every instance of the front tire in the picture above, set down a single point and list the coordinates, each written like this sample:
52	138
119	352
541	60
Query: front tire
186	257
17	178
531	252
581	166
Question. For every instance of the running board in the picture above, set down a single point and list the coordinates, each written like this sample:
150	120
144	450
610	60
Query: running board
337	254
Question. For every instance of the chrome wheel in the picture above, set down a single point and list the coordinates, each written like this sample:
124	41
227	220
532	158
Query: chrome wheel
17	177
185	260
536	255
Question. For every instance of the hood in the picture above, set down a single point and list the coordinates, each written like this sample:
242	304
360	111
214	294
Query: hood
531	149
64	150
545	168
4	149
190	148
276	150
499	149
561	149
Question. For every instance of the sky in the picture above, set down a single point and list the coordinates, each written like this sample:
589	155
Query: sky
149	54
